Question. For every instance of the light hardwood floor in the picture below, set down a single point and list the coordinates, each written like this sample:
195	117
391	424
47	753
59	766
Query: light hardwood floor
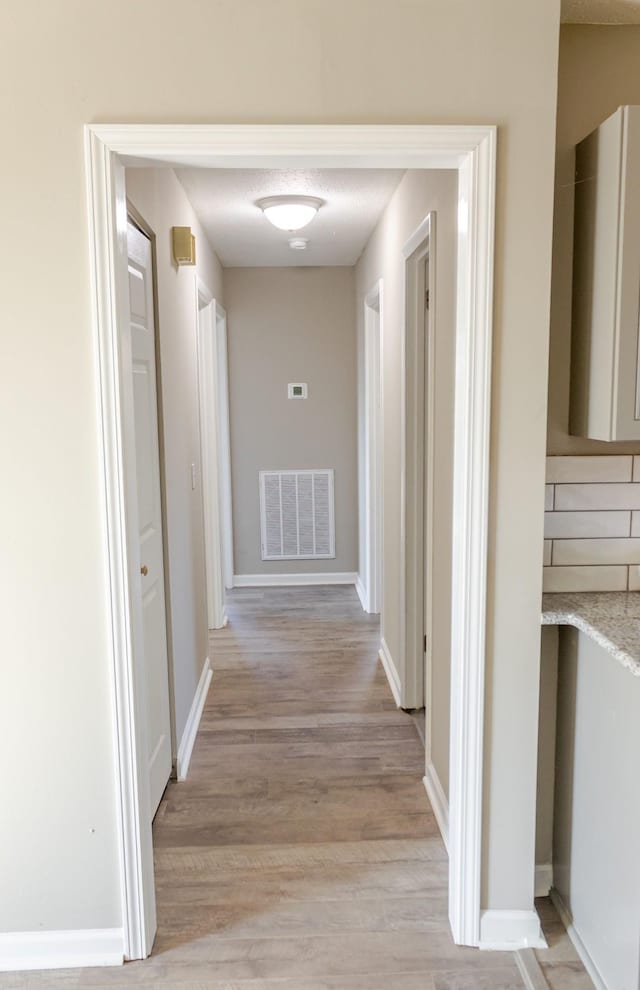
301	853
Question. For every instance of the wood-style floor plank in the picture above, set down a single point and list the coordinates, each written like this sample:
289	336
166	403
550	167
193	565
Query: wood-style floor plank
301	853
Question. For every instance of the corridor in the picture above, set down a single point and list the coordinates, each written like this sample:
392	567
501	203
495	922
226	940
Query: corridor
301	853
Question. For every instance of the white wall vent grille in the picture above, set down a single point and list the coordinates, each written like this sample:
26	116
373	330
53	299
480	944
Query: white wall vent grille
297	515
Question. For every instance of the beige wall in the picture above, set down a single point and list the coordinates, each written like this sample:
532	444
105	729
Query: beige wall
419	193
292	325
368	61
161	200
598	72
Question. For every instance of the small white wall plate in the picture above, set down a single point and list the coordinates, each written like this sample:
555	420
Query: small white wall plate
297	390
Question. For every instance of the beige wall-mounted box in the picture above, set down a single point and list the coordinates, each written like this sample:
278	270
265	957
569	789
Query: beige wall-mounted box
184	246
605	357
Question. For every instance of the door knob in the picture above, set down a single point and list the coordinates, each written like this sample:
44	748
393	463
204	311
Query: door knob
144	570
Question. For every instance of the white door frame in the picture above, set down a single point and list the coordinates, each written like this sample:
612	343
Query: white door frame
224	444
371	576
210	436
469	149
417	462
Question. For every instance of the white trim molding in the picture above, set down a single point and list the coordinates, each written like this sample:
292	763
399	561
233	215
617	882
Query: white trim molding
438	801
185	749
472	404
61	949
390	670
416	465
373	448
362	595
224	444
210	434
567	920
530	970
287	580
472	151
511	930
543	879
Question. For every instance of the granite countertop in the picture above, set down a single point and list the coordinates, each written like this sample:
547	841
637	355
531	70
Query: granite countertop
612	618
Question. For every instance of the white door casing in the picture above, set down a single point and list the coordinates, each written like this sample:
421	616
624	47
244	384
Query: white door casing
208	402
224	444
373	449
419	394
153	658
427	289
471	149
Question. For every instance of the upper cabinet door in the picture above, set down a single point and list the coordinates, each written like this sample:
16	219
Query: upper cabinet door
605	357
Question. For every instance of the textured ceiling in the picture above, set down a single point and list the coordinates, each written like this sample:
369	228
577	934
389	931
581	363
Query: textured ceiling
600	11
224	201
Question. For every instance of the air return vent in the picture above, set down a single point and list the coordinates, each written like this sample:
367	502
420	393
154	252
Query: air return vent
297	515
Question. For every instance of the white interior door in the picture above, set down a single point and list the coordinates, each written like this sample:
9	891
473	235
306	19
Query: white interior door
155	663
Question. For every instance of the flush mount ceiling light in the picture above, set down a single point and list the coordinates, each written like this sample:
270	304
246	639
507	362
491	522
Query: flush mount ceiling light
290	212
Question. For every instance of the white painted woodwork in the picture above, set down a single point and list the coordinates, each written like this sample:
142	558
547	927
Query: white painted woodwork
371	575
185	749
417	516
210	456
605	373
154	657
224	444
471	150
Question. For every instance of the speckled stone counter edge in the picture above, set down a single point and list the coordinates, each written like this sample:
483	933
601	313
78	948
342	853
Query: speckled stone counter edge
611	618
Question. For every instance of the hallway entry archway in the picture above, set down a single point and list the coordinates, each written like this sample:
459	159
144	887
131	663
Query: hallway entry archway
472	151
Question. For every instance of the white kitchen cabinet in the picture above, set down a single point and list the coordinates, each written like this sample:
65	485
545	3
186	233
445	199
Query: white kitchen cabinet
605	354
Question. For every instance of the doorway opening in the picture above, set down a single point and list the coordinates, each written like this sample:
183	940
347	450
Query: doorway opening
469	150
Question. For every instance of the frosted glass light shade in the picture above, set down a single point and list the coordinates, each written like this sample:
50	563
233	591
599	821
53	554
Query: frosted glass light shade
290	212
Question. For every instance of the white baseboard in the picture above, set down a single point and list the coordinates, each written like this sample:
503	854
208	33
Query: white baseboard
578	944
285	580
362	595
543	879
61	949
185	748
439	803
530	970
391	671
511	930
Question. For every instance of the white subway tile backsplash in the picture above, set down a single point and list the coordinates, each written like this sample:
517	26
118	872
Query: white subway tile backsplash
585	578
575	525
592	523
596	552
634	578
572	497
589	469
